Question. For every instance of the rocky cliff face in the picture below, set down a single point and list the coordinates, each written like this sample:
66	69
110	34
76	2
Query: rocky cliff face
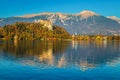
46	23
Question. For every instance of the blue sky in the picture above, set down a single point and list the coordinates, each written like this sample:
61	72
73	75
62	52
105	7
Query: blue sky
22	7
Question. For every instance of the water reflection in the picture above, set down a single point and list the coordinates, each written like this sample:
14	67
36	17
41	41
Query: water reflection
81	54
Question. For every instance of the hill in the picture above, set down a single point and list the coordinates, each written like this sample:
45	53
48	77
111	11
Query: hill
32	31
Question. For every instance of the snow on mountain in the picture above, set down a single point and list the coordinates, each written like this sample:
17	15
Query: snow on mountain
85	22
114	18
85	14
61	16
33	15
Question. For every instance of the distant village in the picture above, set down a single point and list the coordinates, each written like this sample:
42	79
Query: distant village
99	37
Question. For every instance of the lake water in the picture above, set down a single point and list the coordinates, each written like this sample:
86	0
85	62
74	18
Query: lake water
59	60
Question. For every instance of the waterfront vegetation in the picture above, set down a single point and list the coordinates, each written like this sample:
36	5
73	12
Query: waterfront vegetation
98	37
37	31
32	31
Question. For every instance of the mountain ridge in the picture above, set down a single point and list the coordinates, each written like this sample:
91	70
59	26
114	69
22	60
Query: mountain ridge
114	18
85	22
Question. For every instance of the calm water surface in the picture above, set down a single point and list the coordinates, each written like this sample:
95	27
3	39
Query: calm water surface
59	60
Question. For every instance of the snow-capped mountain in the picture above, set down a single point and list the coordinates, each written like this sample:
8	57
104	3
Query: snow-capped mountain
114	18
86	14
85	22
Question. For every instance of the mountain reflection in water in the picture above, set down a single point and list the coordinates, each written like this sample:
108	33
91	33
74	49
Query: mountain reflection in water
81	54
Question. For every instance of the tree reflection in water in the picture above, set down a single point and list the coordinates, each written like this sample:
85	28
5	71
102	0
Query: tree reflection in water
82	54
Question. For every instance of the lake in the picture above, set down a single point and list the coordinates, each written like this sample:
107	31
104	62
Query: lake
59	60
